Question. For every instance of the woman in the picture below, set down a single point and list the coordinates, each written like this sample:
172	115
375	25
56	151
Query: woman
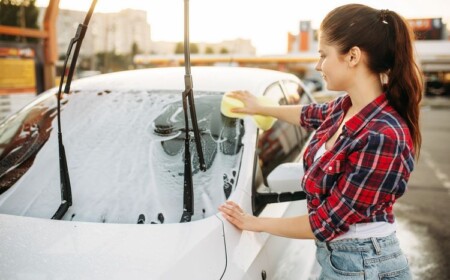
361	156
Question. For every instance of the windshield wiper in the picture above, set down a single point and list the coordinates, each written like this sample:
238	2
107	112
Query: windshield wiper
188	103
66	191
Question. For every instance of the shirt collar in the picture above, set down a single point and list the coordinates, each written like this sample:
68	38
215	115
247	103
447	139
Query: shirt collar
360	120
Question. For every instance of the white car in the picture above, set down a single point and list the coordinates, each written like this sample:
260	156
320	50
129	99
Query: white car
124	140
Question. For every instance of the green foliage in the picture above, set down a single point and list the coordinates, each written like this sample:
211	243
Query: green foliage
135	49
111	62
209	50
19	13
179	48
224	50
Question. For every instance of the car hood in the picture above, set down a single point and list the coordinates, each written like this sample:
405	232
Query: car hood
49	249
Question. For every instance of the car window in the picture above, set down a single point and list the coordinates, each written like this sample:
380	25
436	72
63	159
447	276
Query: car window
296	94
125	156
281	143
218	132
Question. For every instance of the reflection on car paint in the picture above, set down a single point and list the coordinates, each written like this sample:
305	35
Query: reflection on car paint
19	146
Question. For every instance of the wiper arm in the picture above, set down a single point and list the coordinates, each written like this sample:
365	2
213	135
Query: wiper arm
66	190
188	103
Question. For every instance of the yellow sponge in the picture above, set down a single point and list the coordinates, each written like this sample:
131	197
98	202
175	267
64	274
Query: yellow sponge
263	122
229	103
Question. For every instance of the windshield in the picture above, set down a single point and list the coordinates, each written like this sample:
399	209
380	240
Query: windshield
125	157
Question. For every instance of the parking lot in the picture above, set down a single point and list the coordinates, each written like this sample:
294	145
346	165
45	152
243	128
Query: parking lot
423	214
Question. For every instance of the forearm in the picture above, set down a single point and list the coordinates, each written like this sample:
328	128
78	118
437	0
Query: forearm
287	113
293	227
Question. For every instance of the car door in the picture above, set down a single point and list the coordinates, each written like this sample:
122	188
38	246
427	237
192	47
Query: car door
286	258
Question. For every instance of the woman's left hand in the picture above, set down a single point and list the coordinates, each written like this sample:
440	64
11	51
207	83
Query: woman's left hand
235	215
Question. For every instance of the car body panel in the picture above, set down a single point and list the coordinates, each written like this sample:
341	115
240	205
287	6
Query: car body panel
207	248
50	249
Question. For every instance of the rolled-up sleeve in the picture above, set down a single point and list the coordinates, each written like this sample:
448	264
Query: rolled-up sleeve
374	177
312	115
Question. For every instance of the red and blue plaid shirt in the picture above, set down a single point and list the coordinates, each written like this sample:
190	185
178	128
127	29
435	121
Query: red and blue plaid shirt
367	169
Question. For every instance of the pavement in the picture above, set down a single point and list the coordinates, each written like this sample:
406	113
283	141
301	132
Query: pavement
436	102
422	213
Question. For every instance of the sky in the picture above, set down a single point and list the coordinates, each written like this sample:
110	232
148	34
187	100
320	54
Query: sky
264	22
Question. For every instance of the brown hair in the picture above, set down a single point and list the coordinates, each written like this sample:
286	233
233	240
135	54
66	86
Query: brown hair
387	40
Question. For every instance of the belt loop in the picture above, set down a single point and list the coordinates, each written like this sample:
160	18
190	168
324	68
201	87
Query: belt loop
376	245
328	246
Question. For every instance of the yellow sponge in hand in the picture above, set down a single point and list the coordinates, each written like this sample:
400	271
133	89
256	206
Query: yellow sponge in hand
229	103
263	122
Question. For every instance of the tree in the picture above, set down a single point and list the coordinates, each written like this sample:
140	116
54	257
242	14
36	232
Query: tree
193	47
135	49
112	62
209	50
179	48
20	13
224	50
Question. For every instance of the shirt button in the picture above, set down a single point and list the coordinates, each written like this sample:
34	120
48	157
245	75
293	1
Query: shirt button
330	168
315	202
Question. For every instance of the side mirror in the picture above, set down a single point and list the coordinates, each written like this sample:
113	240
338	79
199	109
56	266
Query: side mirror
286	177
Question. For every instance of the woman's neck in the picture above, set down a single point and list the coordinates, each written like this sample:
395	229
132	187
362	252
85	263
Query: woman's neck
363	92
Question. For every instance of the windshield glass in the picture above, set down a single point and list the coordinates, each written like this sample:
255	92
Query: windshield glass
125	153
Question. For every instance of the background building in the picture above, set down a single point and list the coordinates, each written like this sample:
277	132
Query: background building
432	47
107	32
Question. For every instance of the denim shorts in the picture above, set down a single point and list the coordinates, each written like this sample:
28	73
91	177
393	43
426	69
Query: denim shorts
365	259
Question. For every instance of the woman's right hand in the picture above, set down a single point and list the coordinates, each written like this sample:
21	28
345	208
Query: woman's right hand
235	215
251	105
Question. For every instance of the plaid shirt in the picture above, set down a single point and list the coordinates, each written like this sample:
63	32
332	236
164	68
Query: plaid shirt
367	169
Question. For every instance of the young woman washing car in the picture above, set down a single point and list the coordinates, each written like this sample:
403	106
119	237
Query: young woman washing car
361	156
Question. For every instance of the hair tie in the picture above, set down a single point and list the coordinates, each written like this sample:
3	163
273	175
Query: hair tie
383	15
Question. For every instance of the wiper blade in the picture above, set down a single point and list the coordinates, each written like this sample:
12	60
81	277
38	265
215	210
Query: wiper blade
188	103
66	190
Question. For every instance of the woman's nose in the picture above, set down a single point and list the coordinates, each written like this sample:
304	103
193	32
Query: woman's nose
318	66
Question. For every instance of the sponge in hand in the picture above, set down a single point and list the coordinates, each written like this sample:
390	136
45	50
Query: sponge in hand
263	122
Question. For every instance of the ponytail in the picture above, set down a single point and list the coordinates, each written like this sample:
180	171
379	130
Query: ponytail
405	84
387	40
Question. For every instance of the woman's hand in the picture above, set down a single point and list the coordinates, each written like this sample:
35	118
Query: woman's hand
235	215
291	227
250	101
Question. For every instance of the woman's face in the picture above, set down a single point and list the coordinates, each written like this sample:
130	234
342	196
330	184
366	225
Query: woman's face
334	67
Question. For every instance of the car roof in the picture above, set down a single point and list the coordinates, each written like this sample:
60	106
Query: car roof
215	78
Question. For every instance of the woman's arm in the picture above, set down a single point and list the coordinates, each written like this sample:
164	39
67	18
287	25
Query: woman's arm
293	227
287	113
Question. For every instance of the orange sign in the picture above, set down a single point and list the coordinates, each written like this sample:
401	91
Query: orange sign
17	70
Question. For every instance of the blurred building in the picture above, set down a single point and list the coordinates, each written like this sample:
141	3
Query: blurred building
237	46
433	52
429	28
432	47
305	41
107	32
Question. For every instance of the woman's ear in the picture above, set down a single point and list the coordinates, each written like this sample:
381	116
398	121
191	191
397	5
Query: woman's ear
354	56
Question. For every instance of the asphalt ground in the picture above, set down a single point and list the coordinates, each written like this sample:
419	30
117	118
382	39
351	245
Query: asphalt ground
423	213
